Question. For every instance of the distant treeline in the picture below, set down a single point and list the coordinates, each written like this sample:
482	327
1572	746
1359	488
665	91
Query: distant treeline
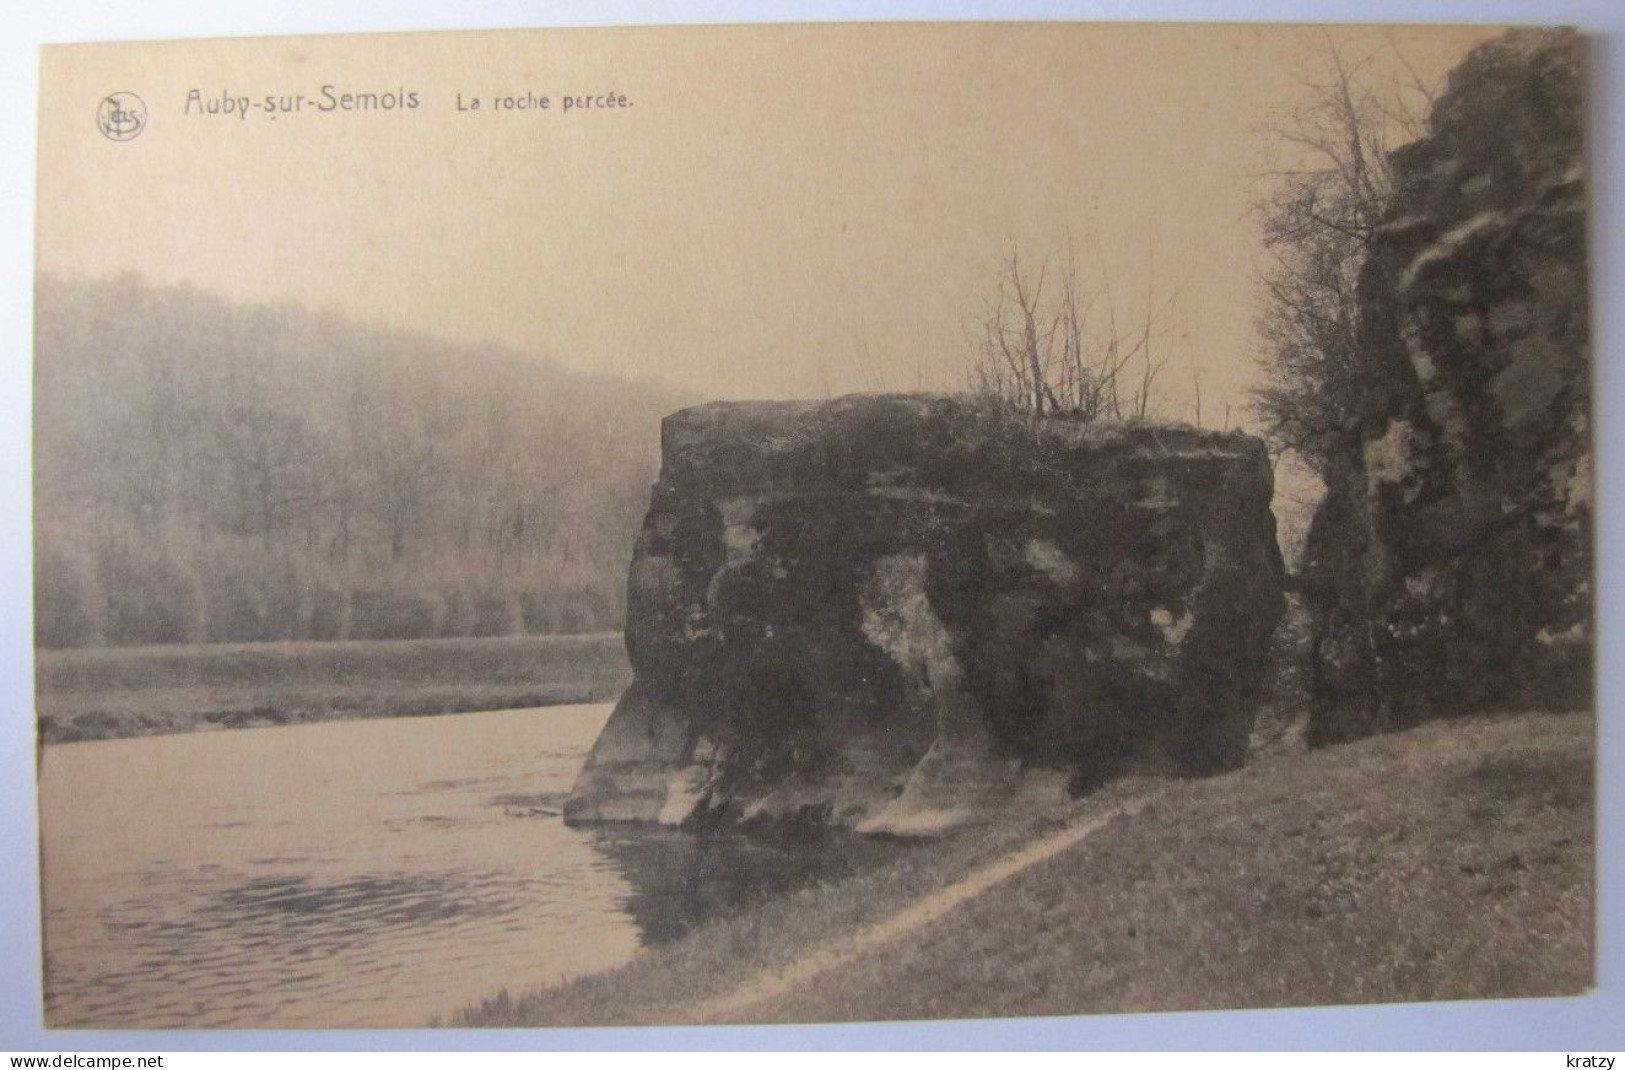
211	472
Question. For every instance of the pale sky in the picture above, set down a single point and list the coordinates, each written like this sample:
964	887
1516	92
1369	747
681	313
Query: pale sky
781	211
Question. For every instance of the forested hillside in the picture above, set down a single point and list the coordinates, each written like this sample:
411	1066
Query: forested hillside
211	472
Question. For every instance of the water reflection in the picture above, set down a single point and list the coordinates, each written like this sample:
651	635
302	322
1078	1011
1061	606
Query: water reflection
357	874
377	873
679	880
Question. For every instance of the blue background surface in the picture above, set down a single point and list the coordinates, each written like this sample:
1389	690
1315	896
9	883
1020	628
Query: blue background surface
1594	1023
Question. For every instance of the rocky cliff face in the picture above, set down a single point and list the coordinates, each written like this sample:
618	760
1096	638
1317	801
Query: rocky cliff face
894	613
1449	569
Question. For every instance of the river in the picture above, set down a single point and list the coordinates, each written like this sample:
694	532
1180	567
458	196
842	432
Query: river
360	874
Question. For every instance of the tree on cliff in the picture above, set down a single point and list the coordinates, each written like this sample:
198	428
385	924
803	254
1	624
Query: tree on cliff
1048	343
1327	186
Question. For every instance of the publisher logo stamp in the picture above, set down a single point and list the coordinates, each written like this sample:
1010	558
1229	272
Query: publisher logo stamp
121	116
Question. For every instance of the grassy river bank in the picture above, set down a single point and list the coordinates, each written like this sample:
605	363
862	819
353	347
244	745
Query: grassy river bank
1453	861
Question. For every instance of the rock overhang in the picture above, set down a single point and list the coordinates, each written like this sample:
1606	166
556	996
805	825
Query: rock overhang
900	612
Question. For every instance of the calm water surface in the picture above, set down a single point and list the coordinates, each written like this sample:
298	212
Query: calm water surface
364	873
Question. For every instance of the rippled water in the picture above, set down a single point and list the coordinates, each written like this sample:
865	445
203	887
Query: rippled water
365	873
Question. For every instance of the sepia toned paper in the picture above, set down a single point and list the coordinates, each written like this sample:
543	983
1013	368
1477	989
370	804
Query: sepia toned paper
352	355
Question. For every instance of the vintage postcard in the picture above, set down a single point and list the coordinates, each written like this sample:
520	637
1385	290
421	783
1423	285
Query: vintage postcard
748	524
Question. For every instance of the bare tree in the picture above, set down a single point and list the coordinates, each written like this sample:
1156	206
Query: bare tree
217	472
1325	194
1049	345
260	440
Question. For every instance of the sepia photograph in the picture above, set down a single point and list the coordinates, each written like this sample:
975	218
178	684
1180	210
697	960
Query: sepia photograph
812	523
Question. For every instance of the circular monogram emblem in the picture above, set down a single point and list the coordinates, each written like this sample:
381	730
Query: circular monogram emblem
121	116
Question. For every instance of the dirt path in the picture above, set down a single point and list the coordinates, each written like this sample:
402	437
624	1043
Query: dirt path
771	984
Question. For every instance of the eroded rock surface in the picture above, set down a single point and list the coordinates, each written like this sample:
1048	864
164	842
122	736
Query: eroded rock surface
897	613
1449	569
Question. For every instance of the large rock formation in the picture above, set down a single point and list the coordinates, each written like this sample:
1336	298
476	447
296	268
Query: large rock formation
894	613
1449	569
